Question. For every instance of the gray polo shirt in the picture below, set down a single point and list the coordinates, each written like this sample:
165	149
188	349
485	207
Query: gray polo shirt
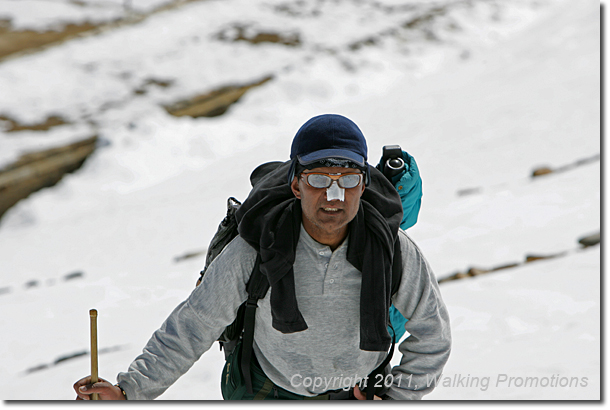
328	294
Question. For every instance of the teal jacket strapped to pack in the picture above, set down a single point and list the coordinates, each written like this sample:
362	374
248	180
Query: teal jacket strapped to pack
409	187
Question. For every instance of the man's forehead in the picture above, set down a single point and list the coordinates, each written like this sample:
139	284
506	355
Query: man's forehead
333	170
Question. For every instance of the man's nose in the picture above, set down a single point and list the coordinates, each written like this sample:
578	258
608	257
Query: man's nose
334	192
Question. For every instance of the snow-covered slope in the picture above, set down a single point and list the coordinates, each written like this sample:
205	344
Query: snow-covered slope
479	109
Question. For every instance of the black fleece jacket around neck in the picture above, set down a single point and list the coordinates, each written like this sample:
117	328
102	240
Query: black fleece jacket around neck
270	221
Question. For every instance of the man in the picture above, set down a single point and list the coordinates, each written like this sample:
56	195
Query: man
327	238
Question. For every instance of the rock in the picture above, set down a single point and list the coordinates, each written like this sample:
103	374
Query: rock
214	103
36	170
532	258
476	271
37	368
240	32
541	171
508	266
14	126
19	41
31	284
189	255
455	276
70	356
590	240
468	191
74	275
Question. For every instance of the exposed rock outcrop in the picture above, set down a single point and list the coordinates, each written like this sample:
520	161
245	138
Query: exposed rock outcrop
590	240
214	103
36	170
12	125
253	35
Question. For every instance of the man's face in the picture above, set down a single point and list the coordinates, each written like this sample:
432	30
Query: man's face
327	220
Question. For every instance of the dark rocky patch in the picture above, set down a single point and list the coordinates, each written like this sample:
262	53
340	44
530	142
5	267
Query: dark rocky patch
590	240
143	89
37	368
17	42
74	275
567	167
532	258
31	284
213	103
476	271
367	42
37	170
424	18
541	171
245	32
11	125
586	241
70	356
468	191
189	255
507	266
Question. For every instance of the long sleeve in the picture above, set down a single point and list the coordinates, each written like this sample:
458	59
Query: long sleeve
193	326
426	350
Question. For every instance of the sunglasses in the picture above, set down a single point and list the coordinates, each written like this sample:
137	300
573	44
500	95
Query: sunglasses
322	180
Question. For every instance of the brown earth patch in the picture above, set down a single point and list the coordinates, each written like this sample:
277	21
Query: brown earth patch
14	41
37	170
50	122
590	240
541	171
424	18
152	82
17	42
533	258
567	167
213	103
240	33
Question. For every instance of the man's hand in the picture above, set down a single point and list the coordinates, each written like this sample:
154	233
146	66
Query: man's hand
362	396
105	389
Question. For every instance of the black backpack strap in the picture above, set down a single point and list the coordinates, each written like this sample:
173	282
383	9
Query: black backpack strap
396	278
371	390
396	267
258	285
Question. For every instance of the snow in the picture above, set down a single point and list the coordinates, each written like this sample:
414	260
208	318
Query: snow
517	87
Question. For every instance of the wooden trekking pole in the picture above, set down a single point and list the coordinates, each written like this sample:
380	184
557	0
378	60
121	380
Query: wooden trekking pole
94	379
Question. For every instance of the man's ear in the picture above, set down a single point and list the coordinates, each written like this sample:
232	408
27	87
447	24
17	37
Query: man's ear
296	190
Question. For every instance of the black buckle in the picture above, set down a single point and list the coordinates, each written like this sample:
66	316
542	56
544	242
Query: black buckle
341	394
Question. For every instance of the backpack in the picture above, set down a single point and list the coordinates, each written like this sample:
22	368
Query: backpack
242	327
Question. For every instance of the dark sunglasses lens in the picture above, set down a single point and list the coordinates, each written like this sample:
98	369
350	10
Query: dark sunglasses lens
319	181
349	181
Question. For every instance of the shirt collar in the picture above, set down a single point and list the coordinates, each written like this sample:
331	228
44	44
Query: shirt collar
306	239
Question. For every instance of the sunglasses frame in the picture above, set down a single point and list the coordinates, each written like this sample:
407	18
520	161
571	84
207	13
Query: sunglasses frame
333	177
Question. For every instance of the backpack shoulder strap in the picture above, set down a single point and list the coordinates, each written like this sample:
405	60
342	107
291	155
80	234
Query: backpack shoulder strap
396	267
257	288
